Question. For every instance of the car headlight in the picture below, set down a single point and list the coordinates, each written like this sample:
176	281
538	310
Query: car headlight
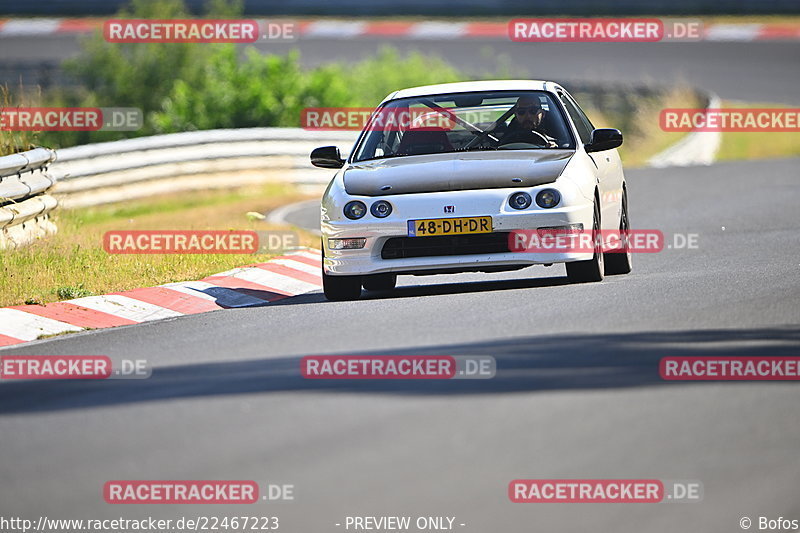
381	209
355	210
520	200
548	198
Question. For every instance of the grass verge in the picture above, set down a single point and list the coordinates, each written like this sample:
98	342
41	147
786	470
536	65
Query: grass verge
72	263
640	127
738	146
12	142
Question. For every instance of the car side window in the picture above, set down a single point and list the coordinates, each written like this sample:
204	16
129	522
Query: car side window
581	113
582	123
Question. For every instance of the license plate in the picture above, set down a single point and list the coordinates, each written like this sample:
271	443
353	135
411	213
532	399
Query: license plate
449	226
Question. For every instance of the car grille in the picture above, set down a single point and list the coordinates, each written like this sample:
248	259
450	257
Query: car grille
478	243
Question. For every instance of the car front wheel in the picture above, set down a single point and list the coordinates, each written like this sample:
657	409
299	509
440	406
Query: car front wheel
591	270
620	262
340	288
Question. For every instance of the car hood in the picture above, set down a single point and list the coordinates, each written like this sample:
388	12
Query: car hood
455	172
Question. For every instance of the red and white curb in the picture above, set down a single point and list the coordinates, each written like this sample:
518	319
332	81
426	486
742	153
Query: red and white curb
432	30
282	277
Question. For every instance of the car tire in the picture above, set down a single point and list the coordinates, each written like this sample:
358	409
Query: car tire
591	270
620	262
340	288
379	282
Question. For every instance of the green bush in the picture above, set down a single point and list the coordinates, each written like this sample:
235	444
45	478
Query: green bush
132	74
182	87
260	90
371	80
253	91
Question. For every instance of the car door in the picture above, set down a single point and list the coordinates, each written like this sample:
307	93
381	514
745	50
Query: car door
607	165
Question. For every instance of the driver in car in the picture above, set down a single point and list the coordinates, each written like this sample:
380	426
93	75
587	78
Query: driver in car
525	127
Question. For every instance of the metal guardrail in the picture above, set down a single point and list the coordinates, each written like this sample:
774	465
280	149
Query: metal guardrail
135	168
24	204
148	166
110	172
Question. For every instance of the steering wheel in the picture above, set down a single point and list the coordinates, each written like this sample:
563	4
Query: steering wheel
526	136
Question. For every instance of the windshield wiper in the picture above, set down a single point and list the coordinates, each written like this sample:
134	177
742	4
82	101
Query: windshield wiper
384	156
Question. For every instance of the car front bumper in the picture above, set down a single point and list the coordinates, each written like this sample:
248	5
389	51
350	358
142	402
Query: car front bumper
492	203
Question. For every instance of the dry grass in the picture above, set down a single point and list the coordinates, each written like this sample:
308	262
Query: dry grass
73	262
643	135
757	145
12	142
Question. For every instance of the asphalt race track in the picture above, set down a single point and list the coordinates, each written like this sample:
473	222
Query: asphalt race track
757	71
577	392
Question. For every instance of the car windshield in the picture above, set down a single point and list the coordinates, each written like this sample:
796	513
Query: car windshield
507	120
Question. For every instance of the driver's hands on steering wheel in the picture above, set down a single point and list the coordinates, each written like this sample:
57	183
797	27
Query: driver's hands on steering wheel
529	137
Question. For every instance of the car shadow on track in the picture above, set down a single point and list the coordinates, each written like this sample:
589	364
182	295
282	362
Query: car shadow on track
438	289
524	365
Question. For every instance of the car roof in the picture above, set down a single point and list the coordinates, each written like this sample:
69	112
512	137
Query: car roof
474	86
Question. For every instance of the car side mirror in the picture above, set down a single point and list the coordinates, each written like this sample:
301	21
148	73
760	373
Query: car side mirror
604	139
327	157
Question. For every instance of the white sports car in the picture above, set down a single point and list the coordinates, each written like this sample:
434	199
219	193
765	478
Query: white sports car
442	176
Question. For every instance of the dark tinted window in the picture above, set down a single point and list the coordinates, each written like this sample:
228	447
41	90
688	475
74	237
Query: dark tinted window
581	121
455	122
